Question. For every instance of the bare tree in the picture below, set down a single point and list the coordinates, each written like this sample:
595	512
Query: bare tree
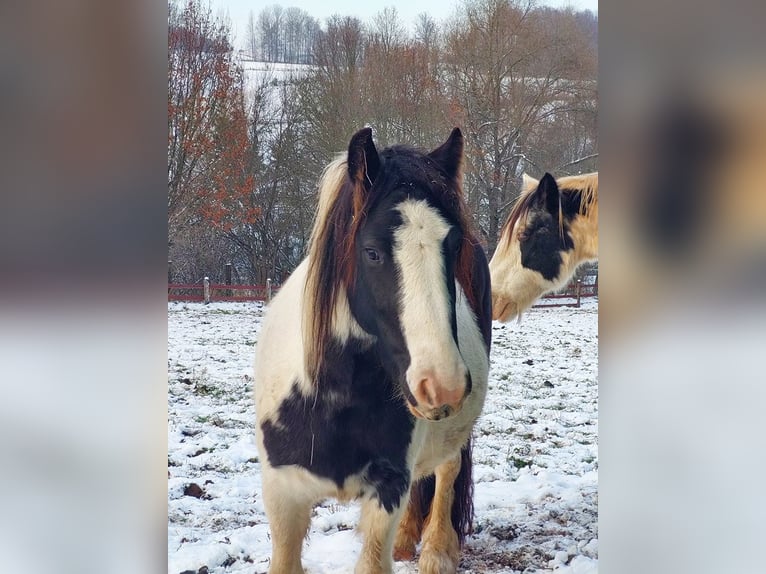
512	73
426	31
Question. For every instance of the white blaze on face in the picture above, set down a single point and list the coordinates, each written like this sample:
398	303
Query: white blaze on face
436	375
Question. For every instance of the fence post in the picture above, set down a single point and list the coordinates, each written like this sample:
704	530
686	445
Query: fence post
170	271
206	289
268	290
579	289
227	278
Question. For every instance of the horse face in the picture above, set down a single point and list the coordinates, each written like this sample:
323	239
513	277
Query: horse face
532	258
404	291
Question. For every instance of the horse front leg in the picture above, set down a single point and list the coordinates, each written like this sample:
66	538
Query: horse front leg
441	549
408	532
380	515
378	527
289	517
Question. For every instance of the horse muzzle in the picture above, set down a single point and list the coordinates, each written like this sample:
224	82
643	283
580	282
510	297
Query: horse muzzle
503	309
434	402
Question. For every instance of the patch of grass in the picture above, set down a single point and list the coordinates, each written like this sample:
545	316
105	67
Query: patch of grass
207	390
519	463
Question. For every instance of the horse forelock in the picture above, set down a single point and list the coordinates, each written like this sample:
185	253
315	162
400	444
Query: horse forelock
520	209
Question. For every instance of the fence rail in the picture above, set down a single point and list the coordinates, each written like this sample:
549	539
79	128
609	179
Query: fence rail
207	292
576	290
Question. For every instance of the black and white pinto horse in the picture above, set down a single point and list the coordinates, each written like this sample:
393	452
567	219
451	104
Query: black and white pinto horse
372	362
551	230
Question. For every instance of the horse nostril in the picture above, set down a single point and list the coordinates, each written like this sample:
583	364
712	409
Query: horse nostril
436	399
410	397
427	386
441	412
468	384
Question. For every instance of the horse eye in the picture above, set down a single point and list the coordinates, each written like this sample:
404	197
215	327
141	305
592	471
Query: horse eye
372	254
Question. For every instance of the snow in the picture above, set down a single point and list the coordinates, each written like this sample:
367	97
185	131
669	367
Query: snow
535	450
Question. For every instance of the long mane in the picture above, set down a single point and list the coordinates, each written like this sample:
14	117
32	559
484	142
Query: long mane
342	207
330	260
585	186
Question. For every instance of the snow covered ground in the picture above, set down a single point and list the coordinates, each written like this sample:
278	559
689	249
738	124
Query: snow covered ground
535	451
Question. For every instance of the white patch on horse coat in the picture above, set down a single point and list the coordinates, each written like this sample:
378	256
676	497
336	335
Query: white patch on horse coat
425	313
279	359
282	347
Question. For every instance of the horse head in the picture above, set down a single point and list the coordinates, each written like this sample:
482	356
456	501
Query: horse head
401	243
550	231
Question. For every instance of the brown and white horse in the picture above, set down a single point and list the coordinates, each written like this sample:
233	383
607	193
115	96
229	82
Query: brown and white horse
551	230
372	364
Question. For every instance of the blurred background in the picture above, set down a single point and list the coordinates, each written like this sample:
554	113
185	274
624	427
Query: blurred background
683	273
83	261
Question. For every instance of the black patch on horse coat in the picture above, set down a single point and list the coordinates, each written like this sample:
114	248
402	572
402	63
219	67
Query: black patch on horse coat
544	239
543	244
357	423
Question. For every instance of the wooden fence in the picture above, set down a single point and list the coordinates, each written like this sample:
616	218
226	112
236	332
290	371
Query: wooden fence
572	295
205	292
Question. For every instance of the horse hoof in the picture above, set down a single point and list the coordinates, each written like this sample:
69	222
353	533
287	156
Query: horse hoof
404	554
437	562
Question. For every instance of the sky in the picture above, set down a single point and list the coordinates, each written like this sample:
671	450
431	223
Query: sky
239	10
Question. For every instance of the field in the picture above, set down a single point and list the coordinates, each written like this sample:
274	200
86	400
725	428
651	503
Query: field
535	451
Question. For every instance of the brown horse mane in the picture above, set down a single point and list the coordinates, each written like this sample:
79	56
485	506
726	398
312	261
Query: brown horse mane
586	185
342	208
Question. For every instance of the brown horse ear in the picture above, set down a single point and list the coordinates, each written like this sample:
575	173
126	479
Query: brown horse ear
547	195
449	155
363	160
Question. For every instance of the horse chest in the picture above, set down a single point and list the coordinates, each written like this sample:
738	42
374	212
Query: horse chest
356	424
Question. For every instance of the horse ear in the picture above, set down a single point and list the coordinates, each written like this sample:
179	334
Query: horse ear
363	159
547	195
449	155
528	182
